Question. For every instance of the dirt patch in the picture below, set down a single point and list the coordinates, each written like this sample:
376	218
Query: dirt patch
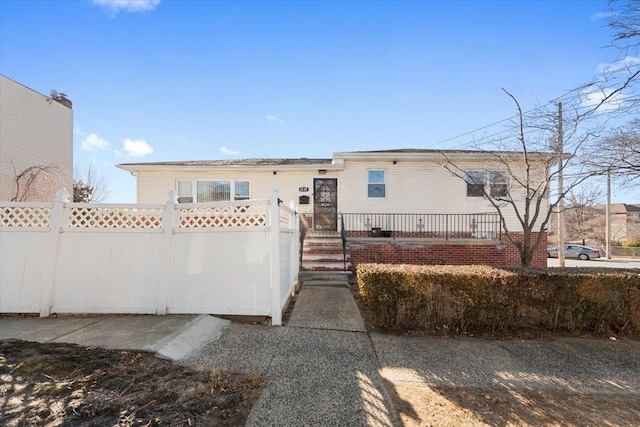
444	406
65	384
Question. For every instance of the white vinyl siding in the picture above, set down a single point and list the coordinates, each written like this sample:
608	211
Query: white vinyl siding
34	131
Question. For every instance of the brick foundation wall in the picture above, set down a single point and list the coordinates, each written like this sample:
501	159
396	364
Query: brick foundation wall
461	252
539	257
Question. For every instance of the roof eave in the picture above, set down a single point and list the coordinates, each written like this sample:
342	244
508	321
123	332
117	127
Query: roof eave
137	167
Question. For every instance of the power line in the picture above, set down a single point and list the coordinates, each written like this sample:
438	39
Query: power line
576	95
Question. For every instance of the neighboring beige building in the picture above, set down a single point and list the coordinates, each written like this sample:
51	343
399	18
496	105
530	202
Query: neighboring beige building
36	140
625	220
407	181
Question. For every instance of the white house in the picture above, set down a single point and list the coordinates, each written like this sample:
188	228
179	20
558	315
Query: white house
405	193
36	143
407	181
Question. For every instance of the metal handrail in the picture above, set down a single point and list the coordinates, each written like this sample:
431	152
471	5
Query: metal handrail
343	236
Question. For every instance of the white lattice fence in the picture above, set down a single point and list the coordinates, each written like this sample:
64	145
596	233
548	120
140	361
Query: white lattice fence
223	216
114	258
33	216
114	217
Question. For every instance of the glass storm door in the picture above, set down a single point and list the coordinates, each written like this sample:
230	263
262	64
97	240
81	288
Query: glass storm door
325	204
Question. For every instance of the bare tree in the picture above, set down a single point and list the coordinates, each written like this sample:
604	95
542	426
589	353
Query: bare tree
616	90
532	144
38	182
624	19
584	220
619	153
528	164
90	185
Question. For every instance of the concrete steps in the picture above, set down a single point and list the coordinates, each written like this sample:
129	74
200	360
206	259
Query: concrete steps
323	254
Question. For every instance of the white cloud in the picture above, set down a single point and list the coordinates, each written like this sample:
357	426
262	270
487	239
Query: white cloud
271	119
593	98
78	131
602	15
93	142
622	64
225	150
137	148
115	6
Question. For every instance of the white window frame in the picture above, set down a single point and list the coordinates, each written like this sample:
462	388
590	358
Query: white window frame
194	188
468	183
488	184
383	183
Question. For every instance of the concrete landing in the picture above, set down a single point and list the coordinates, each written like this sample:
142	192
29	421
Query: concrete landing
326	307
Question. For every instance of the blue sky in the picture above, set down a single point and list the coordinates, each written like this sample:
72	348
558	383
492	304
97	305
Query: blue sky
188	80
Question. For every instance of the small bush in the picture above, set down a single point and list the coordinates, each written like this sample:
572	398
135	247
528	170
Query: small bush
409	297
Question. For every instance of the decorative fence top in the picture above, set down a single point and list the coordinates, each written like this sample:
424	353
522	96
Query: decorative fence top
33	215
248	213
84	216
222	215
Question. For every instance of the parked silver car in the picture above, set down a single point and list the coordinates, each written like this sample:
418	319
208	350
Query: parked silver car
574	251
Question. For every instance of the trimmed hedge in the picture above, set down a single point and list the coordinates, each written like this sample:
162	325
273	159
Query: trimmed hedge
410	297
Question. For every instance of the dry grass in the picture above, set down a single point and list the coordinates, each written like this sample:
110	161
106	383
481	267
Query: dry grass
65	384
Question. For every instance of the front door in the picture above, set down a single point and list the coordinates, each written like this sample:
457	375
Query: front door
325	204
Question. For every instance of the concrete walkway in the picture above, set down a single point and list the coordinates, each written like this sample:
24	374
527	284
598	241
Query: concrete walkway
321	368
171	337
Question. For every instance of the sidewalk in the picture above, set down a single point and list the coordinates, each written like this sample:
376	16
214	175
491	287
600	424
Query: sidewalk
321	368
324	369
171	337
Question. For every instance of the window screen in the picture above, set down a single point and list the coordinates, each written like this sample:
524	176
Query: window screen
185	191
498	184
242	190
377	183
475	183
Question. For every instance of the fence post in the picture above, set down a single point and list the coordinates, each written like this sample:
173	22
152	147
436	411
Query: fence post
168	225
274	227
58	219
295	241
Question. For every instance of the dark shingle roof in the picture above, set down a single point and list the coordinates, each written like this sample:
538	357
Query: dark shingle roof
236	162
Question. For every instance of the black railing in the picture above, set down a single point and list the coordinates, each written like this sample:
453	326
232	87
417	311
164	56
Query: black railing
426	226
343	236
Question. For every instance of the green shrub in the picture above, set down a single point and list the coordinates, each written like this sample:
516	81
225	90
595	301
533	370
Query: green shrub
409	297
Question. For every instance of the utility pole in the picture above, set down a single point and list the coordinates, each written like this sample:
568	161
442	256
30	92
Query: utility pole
560	148
608	214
